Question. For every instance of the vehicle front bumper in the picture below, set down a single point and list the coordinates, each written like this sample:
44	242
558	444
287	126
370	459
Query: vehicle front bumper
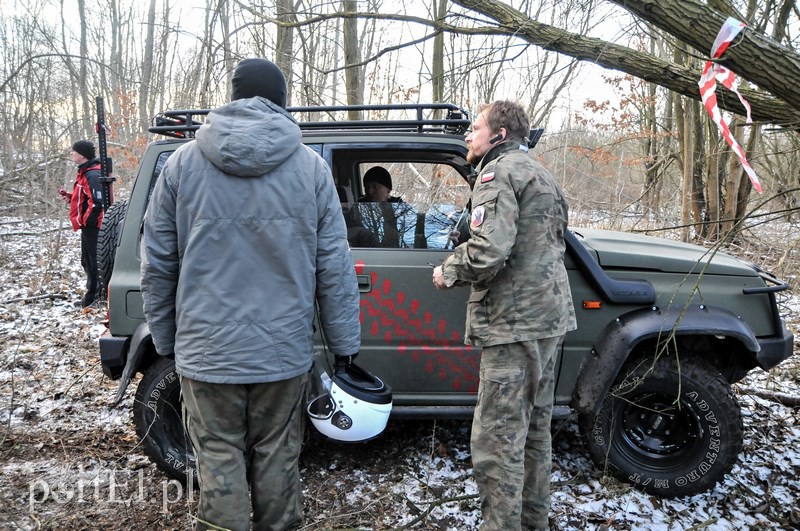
113	354
775	349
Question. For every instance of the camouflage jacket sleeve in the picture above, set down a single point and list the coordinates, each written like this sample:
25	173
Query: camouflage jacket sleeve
493	228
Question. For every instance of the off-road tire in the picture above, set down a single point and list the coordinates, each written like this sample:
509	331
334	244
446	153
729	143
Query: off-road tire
157	414
668	447
107	239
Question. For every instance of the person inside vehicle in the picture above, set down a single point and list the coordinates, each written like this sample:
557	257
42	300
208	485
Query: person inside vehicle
357	235
378	186
378	208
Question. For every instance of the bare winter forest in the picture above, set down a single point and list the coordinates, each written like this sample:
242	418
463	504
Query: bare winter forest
613	82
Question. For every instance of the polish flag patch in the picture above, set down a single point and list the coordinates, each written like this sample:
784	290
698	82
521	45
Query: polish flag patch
486	177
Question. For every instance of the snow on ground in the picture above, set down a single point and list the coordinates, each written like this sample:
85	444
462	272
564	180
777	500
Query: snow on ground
69	459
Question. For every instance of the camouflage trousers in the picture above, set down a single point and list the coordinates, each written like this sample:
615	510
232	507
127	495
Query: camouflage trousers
511	440
250	431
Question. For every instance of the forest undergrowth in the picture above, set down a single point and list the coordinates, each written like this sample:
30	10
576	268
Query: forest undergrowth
69	459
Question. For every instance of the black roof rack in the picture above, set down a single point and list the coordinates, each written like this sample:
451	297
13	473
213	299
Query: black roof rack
183	123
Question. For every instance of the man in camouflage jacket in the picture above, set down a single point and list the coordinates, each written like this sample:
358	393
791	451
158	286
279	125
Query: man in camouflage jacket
519	309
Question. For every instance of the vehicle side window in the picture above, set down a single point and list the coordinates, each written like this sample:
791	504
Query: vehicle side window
162	159
425	204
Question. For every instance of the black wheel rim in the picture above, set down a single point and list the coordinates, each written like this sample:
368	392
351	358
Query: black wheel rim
656	431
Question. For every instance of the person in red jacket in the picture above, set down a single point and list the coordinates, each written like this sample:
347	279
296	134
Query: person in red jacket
86	212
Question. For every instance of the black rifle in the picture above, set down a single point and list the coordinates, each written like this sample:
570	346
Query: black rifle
106	167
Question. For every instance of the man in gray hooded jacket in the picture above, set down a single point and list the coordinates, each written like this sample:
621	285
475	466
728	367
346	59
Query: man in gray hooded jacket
243	234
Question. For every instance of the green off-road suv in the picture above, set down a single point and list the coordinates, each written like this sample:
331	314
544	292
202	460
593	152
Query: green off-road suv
664	328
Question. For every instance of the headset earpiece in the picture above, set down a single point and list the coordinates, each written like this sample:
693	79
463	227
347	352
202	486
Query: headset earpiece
497	138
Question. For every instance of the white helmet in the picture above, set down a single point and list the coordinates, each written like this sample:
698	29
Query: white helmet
352	406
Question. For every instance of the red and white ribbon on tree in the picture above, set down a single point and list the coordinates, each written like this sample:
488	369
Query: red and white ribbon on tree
714	72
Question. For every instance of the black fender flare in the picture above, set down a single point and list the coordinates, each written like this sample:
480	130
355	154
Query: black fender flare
620	337
141	343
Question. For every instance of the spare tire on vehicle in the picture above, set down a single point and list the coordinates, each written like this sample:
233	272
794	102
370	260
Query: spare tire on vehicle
157	414
107	240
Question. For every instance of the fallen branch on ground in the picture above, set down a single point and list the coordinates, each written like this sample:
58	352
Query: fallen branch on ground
433	505
50	296
781	398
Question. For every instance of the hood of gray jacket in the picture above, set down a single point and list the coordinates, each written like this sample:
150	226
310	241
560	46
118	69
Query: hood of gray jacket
226	137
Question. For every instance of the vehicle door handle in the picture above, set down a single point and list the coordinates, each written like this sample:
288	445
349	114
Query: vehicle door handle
364	283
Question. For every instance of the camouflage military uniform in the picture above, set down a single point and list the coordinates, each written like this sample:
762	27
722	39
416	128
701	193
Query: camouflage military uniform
519	309
220	418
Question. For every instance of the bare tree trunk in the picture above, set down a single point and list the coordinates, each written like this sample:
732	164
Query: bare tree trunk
684	127
437	75
115	62
699	207
206	61
83	86
74	87
147	67
157	96
779	30
734	175
650	148
713	180
667	151
781	162
227	58
745	186
316	55
353	74
336	61
284	46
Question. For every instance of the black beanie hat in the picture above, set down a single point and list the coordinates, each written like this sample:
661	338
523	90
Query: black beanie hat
259	77
378	174
85	148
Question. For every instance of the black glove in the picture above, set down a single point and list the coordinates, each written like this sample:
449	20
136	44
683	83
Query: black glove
341	363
